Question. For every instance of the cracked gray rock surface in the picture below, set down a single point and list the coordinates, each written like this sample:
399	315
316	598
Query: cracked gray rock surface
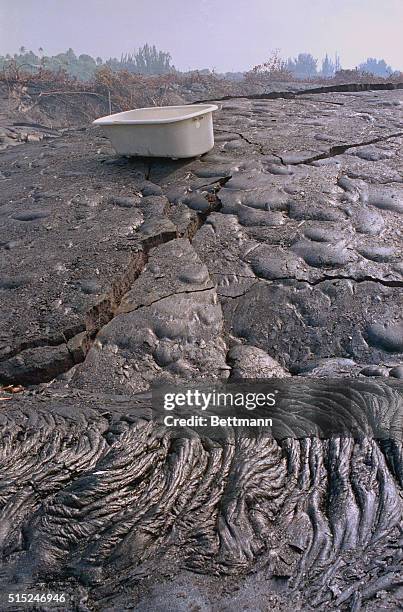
279	219
277	254
168	328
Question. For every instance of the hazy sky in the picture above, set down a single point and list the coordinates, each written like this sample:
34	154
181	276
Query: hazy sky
221	34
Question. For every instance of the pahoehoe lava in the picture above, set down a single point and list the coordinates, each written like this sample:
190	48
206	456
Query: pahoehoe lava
101	496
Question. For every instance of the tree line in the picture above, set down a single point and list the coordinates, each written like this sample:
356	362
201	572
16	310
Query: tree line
149	60
306	66
145	60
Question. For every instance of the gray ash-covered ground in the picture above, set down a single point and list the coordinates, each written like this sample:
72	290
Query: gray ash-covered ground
277	254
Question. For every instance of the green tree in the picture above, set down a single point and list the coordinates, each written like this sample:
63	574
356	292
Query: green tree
377	67
328	67
303	66
146	60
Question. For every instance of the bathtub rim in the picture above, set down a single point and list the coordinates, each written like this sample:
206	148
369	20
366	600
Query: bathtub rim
118	118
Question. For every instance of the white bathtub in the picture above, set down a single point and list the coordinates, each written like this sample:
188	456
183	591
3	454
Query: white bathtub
161	131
